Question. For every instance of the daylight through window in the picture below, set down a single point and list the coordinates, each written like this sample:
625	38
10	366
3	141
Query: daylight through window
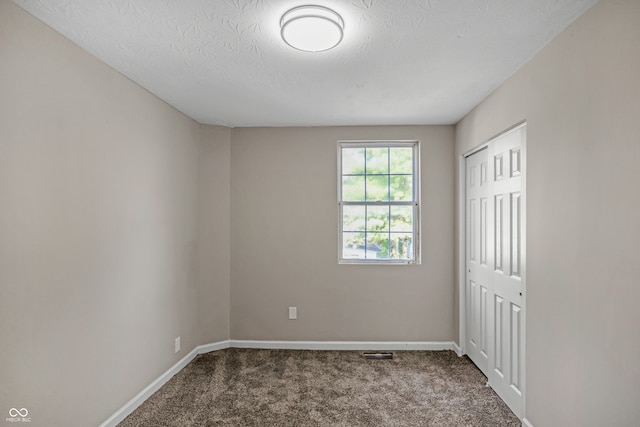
378	199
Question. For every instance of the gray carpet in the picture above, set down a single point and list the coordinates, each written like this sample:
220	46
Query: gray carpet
241	387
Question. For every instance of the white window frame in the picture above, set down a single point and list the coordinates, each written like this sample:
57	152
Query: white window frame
415	202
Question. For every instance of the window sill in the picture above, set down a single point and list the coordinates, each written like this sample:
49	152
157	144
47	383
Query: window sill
361	262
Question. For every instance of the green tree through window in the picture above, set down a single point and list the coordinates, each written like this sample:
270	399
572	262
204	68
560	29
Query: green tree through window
378	199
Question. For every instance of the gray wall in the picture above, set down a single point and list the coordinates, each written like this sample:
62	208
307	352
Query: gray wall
284	242
581	99
214	234
99	268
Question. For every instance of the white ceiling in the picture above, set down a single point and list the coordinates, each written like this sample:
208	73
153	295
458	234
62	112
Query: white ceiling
401	61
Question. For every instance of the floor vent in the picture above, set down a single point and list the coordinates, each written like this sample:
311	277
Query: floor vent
378	356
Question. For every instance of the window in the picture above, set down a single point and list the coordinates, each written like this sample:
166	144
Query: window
378	202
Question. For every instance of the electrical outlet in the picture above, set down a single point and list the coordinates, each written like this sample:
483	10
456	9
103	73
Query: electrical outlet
293	313
177	345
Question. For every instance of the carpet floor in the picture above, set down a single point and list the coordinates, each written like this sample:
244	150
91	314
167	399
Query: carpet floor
248	387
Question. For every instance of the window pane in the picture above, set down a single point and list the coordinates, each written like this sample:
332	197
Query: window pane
353	161
401	246
378	245
401	160
377	161
353	188
377	218
353	218
402	188
378	188
353	246
401	218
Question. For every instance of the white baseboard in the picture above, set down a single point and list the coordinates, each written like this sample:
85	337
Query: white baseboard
220	345
457	349
131	405
526	423
136	401
345	345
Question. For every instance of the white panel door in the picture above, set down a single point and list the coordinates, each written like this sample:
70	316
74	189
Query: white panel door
495	264
506	165
477	291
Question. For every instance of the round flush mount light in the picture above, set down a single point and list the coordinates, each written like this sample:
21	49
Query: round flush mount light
311	28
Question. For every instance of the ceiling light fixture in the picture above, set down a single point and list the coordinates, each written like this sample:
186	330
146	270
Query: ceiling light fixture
311	28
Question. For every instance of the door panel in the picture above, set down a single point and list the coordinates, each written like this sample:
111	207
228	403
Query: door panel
477	291
495	264
505	375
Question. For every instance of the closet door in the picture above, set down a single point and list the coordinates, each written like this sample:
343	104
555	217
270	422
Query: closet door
495	264
478	294
506	161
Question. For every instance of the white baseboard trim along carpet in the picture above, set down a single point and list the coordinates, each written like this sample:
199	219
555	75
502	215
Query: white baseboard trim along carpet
526	423
136	401
131	405
344	345
457	349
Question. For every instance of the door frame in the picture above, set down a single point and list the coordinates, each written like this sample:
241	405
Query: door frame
462	246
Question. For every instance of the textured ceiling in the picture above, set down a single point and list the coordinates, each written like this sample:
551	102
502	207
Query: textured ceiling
401	61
